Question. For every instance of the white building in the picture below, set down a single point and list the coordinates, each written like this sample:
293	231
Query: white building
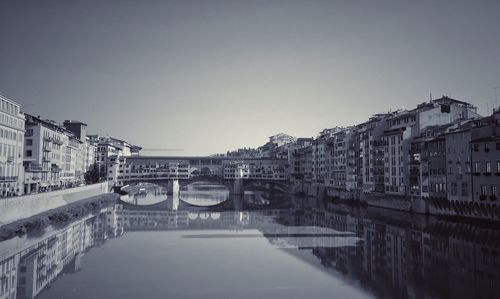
11	147
53	156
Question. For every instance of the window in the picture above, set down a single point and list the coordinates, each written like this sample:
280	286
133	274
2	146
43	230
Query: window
488	167
29	153
465	189
29	142
483	189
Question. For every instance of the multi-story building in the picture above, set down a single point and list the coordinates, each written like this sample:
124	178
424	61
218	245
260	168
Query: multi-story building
110	148
458	157
342	179
436	156
300	159
86	158
369	134
256	168
90	154
404	126
277	146
319	161
485	158
11	147
53	156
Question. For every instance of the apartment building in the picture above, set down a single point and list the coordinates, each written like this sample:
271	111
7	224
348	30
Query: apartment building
485	147
53	156
11	147
107	149
256	168
459	167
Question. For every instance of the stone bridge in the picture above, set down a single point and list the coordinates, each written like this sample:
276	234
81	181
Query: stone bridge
235	186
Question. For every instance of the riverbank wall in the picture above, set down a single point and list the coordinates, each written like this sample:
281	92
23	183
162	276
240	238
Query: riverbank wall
20	207
435	207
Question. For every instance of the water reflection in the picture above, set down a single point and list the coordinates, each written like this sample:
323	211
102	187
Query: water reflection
356	252
144	194
29	265
204	194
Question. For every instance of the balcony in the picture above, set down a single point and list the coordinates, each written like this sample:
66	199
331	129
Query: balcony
47	138
57	141
34	168
10	159
8	178
55	168
45	159
487	173
46	148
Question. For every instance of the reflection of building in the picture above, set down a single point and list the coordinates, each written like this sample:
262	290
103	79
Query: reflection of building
8	280
142	219
401	258
26	272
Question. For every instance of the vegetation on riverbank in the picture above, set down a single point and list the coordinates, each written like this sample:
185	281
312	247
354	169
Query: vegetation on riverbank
57	217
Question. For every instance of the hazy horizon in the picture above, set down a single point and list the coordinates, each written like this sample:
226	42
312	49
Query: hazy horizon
212	76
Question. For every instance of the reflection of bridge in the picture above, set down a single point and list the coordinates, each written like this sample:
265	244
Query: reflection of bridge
265	222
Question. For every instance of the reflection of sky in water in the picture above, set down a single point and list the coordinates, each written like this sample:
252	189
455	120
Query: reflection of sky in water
203	198
204	194
144	199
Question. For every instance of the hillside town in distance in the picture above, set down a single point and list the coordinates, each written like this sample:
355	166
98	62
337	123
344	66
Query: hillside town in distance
440	157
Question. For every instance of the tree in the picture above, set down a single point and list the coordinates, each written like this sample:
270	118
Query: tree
91	176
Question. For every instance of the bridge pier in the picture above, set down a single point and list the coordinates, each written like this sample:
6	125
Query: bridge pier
173	187
238	188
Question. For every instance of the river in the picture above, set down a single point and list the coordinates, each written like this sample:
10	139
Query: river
307	249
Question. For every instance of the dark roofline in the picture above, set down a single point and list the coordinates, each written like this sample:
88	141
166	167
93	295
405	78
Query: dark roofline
452	100
75	122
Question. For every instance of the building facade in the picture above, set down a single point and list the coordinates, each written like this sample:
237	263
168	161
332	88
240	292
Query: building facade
53	156
11	148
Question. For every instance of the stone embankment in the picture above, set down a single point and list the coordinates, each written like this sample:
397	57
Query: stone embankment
58	216
21	207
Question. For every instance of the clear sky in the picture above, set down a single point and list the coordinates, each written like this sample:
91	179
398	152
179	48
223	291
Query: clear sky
207	76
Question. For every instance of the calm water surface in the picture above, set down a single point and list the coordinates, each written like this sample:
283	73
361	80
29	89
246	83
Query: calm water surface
309	249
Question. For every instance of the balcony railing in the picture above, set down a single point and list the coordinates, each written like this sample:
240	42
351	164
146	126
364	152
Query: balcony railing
8	178
56	169
57	141
10	159
47	138
34	168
